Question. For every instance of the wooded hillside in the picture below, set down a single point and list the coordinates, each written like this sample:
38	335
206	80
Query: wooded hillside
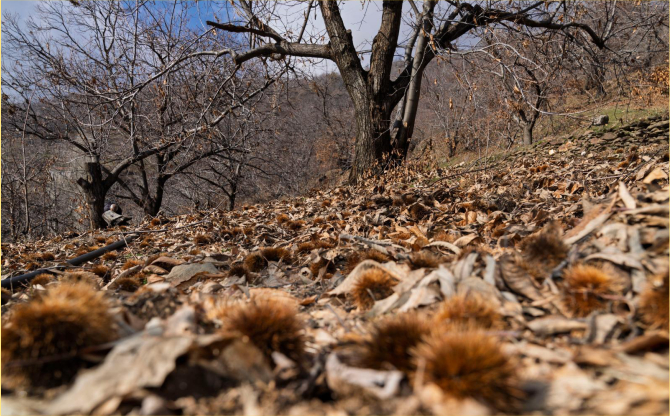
335	208
425	292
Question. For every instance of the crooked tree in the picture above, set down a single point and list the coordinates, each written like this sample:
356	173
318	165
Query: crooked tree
375	93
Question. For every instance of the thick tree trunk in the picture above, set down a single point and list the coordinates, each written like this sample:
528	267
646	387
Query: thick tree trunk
373	139
370	91
95	192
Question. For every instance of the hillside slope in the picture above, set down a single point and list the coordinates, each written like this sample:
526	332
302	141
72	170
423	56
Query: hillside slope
534	281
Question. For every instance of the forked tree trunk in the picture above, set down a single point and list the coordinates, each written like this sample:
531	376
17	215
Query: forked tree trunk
373	93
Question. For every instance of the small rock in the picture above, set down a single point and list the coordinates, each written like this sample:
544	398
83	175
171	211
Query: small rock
601	120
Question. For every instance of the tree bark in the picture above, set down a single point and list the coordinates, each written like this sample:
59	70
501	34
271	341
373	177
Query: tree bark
373	140
528	134
406	128
372	92
94	191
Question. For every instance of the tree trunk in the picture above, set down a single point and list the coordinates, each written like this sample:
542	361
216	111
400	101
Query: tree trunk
370	91
153	205
232	197
95	192
406	128
596	79
373	140
528	134
95	200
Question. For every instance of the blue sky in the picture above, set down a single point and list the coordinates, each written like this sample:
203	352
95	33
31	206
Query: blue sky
362	19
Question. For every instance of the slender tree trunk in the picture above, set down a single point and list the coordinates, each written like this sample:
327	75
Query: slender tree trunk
406	129
528	134
153	205
232	197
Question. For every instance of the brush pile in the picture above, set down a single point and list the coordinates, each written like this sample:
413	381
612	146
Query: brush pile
531	282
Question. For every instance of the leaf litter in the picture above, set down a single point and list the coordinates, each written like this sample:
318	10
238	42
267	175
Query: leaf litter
538	284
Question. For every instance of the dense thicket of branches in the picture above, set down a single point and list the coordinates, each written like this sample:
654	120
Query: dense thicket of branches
132	101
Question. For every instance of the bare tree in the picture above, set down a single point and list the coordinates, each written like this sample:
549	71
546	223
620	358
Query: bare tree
122	83
373	91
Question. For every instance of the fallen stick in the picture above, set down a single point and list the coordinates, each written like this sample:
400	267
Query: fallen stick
24	278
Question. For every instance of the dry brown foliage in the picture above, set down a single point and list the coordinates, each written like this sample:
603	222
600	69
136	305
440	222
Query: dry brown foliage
654	302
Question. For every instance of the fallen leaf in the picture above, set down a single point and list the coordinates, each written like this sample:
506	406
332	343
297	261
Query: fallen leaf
345	380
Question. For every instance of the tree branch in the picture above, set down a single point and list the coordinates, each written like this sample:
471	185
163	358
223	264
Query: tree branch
241	29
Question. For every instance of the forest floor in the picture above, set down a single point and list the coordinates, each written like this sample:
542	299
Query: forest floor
530	282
